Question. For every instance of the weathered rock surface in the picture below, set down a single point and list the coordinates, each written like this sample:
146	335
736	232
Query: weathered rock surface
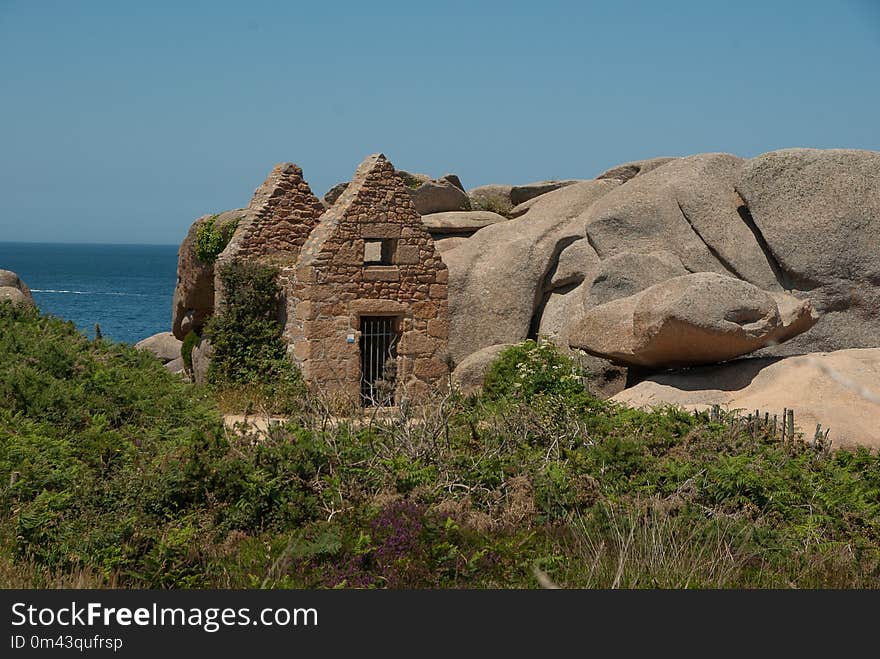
460	222
688	207
576	263
693	319
605	378
176	366
194	294
410	179
522	193
817	386
819	213
334	193
439	196
494	197
468	376
628	273
201	360
13	289
629	170
559	308
496	278
442	245
163	345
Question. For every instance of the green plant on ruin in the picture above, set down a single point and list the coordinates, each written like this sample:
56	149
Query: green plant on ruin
190	341
212	239
246	332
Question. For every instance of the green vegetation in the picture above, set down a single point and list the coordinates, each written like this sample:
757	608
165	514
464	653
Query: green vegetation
115	473
249	354
412	182
494	205
190	341
211	239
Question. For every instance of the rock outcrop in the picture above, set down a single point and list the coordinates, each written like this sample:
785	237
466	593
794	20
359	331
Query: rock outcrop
838	390
629	170
693	319
818	214
201	360
439	196
493	197
460	223
163	345
496	278
628	273
194	293
333	194
13	289
522	193
655	263
687	207
468	376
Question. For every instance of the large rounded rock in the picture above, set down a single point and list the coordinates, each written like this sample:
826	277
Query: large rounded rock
694	319
13	289
497	277
838	390
193	299
576	263
163	345
469	375
559	307
176	366
819	213
442	245
460	223
201	360
493	197
688	207
439	196
333	194
628	273
523	193
629	170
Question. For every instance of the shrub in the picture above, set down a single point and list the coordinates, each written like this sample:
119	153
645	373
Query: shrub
190	341
412	182
493	205
211	239
531	368
113	471
246	334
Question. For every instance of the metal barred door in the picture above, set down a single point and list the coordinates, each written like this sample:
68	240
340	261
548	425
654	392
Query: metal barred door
378	344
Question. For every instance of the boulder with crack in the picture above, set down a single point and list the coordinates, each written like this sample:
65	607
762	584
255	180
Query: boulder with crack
693	319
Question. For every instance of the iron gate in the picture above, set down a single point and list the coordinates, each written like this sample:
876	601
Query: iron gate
378	344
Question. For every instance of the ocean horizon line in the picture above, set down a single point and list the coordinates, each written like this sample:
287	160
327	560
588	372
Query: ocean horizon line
86	243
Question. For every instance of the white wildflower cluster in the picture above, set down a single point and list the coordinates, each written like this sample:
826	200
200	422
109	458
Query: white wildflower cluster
540	357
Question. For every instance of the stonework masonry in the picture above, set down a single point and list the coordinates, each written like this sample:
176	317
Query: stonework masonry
339	279
275	225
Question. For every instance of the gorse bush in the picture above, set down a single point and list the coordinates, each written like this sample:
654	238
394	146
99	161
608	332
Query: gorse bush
115	472
212	239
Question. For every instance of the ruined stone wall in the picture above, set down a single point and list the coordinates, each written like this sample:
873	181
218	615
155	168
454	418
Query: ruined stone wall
277	222
331	288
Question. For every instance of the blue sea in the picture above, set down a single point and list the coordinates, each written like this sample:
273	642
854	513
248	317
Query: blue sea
126	289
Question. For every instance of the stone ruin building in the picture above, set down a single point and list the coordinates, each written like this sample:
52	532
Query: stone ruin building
365	294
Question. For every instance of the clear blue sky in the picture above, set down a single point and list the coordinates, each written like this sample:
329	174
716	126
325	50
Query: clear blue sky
123	121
